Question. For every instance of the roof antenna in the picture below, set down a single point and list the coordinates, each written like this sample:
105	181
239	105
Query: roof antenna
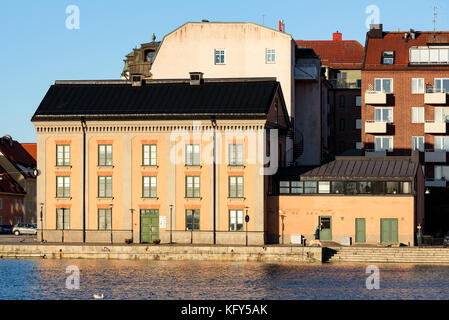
435	14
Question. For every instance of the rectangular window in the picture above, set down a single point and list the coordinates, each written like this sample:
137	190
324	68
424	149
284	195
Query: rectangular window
236	154
392	187
364	187
383	114
417	114
235	220
388	57
342	101
358	145
418	143
310	187
63	155
358	124
441	85
192	219
149	187
342	124
104	219
149	155
441	114
441	172
270	55
105	154
441	144
104	187
235	187
192	187
406	187
384	85
417	85
62	187
220	56
1	204
358	101
383	144
284	187
192	154
63	219
324	187
337	187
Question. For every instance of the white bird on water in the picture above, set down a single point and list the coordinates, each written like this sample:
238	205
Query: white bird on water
97	296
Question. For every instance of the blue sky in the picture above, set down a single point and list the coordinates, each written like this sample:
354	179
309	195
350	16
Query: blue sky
37	48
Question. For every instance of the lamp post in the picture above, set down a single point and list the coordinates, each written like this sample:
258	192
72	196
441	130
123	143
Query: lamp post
246	222
214	126
42	223
110	207
171	221
282	215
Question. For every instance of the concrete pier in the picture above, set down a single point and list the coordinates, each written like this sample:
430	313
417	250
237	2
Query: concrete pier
165	252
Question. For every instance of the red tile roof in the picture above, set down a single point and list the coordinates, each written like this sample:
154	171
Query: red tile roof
17	155
31	148
8	185
336	53
393	41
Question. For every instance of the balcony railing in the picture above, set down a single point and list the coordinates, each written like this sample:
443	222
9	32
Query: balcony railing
343	84
434	127
435	182
435	96
375	153
435	155
375	126
375	97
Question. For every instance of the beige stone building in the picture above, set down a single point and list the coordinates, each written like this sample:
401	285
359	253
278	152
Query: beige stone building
182	161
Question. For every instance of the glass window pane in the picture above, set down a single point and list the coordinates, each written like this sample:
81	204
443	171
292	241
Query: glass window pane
364	187
337	187
324	187
351	188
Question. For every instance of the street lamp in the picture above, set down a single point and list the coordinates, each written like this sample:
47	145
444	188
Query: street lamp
246	222
132	224
171	221
42	223
282	215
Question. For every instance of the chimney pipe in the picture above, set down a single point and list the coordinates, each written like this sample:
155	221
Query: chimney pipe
337	36
281	26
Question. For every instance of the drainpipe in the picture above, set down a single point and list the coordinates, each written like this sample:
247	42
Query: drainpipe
214	125
83	125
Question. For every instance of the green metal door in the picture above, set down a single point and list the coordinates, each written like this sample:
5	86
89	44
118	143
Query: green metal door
326	228
388	230
149	225
360	230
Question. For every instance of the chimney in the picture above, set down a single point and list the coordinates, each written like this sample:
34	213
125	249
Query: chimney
375	31
136	80
337	36
281	26
196	78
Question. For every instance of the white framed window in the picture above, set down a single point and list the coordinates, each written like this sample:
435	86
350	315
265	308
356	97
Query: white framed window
388	57
383	144
104	219
417	114
63	155
441	172
236	154
441	85
149	187
235	187
441	114
62	187
104	187
220	56
417	85
418	143
358	145
192	155
149	155
270	55
383	114
358	101
441	144
383	84
324	187
192	186
62	219
429	55
235	220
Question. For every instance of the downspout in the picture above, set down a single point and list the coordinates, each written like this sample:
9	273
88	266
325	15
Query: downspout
214	125
83	125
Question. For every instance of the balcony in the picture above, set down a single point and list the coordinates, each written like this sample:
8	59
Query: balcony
434	127
441	183
375	97
375	126
375	153
435	156
433	97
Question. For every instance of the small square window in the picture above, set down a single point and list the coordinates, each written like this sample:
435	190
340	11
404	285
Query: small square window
220	56
388	57
270	55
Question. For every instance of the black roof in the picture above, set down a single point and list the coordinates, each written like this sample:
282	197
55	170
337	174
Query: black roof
226	98
362	168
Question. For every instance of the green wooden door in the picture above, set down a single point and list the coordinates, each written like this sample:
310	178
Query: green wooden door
149	225
388	230
326	228
360	230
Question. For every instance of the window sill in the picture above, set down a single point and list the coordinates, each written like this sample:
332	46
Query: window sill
149	198
237	198
237	166
193	198
105	166
63	166
105	198
149	167
63	198
193	166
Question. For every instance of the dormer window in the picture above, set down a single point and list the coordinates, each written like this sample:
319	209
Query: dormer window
388	57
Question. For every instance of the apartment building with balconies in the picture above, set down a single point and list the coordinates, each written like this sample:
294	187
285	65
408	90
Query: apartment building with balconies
405	80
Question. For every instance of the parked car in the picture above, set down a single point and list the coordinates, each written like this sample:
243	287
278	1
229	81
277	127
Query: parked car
6	229
24	228
446	241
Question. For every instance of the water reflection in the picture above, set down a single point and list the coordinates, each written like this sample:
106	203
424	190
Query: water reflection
116	279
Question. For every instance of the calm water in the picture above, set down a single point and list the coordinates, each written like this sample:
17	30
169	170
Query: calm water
116	279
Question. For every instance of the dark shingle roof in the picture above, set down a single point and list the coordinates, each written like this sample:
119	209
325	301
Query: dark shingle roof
157	98
362	168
